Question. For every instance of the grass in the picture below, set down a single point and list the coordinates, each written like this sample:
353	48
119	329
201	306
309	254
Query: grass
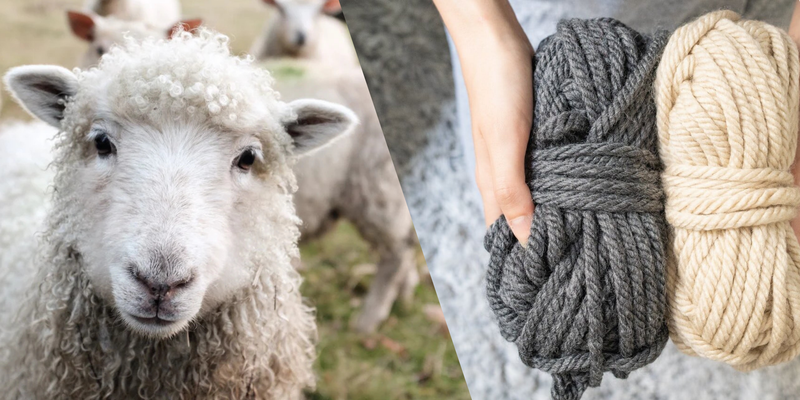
410	357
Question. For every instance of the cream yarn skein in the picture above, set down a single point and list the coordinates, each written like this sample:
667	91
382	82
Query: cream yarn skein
727	98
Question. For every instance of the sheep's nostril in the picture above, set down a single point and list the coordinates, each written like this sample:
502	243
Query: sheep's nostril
159	288
182	283
138	276
169	289
300	39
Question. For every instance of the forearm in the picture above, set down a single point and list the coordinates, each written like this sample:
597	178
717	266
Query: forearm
475	22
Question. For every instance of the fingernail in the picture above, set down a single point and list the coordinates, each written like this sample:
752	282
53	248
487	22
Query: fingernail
521	226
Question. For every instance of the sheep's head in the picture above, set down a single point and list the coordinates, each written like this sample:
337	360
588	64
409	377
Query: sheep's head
104	32
297	23
175	164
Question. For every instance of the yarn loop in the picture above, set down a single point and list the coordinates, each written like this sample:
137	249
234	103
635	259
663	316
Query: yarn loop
728	98
588	293
708	197
609	177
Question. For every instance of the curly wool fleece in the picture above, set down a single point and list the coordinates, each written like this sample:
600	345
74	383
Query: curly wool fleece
727	119
587	294
189	77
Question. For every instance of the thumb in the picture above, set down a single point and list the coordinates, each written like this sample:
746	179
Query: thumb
513	195
516	204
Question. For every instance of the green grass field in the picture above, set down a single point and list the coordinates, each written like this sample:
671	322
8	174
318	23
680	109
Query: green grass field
410	357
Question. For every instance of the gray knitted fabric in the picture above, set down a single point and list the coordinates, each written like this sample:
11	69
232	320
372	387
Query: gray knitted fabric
587	295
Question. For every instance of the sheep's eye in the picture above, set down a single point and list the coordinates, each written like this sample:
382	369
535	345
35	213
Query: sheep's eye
100	51
103	145
246	159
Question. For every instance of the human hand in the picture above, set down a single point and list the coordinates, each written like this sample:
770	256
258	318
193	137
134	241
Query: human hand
496	60
500	89
794	33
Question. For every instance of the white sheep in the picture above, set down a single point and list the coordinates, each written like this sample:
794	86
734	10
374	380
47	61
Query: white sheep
354	179
24	155
164	266
160	14
304	29
102	32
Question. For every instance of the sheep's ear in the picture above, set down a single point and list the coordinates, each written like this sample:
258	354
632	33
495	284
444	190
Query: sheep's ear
82	25
332	7
270	2
317	123
42	90
188	25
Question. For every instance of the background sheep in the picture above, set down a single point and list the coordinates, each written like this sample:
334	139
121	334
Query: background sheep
103	32
353	178
305	29
159	14
24	155
410	356
165	268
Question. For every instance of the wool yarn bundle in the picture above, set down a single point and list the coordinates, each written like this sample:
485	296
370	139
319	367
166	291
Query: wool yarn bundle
588	293
727	97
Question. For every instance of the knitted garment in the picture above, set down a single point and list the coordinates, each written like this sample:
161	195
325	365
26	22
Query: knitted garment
588	293
727	96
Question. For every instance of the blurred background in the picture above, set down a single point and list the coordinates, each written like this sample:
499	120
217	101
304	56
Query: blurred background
410	356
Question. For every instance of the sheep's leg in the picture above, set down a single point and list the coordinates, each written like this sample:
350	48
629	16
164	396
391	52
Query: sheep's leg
373	201
297	264
409	285
392	275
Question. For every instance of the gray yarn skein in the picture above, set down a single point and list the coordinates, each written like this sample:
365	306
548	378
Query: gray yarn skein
587	295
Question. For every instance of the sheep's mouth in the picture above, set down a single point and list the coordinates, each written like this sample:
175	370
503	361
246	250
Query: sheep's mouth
154	327
155	321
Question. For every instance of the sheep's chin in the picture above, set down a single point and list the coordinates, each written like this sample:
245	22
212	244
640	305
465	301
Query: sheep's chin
160	329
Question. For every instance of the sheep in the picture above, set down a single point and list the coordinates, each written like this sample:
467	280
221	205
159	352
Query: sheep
23	183
353	178
304	29
160	14
103	32
163	269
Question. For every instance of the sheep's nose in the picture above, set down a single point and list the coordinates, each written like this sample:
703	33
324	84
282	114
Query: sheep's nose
300	39
161	289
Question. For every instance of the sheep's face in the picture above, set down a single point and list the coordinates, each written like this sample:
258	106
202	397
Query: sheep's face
296	27
167	204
